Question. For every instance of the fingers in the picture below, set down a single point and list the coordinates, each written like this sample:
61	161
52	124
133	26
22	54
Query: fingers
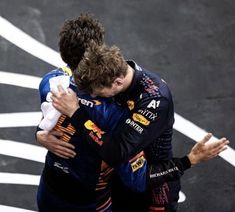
61	155
219	143
56	133
62	148
67	145
221	150
55	98
65	152
70	91
59	147
218	146
206	138
61	89
57	93
54	92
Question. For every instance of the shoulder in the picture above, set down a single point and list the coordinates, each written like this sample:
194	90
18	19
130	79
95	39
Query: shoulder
44	86
154	86
49	75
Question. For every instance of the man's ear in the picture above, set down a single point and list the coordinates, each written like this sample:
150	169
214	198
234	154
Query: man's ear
119	81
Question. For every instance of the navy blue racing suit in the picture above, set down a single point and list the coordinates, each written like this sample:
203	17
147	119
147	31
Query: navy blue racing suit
83	183
148	127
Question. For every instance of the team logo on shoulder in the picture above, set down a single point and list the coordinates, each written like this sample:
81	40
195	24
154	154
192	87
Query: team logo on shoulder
96	133
154	104
141	119
130	104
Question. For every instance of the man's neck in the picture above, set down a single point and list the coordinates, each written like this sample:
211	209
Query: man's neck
128	78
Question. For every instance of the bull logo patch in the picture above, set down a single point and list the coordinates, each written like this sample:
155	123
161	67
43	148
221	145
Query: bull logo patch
130	104
92	126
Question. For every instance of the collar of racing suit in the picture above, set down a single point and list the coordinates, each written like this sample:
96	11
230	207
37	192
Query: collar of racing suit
122	98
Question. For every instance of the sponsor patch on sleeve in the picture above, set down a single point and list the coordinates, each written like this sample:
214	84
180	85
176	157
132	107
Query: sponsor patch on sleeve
140	118
95	132
154	104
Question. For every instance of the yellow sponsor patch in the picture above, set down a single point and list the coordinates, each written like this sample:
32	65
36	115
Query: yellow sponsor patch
138	163
130	104
141	119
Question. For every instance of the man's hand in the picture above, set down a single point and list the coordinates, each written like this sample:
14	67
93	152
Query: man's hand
203	151
65	101
50	140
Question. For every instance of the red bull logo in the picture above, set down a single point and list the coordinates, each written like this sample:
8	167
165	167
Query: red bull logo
92	126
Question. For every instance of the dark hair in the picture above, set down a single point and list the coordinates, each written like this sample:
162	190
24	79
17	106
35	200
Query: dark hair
75	36
99	68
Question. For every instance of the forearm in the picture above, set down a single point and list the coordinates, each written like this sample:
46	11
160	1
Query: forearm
36	134
169	170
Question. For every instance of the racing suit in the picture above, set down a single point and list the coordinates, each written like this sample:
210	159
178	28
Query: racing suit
83	183
149	126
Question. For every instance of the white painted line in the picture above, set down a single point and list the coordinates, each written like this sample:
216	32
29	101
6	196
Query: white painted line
20	80
5	208
22	150
29	44
20	179
182	197
196	133
23	119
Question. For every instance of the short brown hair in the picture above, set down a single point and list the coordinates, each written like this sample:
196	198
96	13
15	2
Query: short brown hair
75	37
99	68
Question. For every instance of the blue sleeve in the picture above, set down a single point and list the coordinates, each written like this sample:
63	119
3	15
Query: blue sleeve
105	112
132	134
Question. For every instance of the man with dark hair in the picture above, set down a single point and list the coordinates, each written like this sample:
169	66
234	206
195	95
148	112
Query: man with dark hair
76	35
104	72
81	183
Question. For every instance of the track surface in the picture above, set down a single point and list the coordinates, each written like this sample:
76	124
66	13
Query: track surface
190	44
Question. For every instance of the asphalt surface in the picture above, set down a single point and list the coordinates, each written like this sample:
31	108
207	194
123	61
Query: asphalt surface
191	44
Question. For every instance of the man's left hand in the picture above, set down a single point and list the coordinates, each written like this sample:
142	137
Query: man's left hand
203	151
65	101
